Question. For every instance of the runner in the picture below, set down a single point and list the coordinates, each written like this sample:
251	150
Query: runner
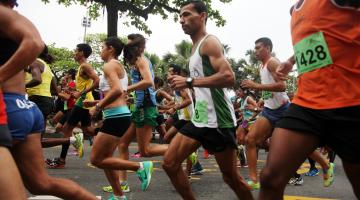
323	111
117	119
86	81
276	102
25	119
213	123
17	35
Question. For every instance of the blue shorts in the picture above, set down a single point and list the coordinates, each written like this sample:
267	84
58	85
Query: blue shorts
274	115
24	117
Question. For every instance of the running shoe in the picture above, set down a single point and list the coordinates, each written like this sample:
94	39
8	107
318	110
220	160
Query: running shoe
56	163
124	188
312	172
79	144
193	158
113	197
329	175
136	155
197	169
145	174
253	186
206	154
296	181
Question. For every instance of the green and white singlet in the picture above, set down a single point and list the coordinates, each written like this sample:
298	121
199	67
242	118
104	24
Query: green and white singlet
213	108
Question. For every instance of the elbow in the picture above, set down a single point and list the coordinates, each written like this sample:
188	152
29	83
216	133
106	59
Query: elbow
148	83
282	87
36	44
230	79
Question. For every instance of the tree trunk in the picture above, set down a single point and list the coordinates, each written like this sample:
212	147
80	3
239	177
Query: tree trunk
112	17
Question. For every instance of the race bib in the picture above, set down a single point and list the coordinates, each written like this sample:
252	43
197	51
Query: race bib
201	112
312	53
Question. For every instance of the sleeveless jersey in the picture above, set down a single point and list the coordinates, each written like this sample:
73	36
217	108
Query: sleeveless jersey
213	108
184	113
43	89
104	84
273	100
81	85
335	84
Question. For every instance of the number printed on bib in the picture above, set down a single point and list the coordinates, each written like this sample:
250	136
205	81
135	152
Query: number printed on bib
201	112
312	53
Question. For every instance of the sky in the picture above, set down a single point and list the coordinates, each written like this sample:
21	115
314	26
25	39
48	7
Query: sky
247	20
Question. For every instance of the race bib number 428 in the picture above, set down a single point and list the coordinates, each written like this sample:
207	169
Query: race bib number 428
312	53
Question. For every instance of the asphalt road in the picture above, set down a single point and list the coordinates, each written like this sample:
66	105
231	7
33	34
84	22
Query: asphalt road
207	186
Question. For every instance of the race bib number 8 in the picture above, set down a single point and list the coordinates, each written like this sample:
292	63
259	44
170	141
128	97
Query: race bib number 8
312	53
201	112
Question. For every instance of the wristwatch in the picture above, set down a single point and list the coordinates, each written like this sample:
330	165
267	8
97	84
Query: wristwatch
189	81
256	109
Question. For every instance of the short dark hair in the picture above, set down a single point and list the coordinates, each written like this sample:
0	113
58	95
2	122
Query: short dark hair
158	80
116	43
266	42
176	68
72	73
10	2
44	55
85	48
199	6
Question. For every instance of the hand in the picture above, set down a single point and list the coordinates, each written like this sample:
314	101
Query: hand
89	103
76	94
177	82
249	84
283	70
93	112
171	111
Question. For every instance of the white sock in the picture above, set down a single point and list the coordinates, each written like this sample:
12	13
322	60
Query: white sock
72	140
141	166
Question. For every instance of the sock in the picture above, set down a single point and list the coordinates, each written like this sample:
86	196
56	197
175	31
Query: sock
64	150
72	139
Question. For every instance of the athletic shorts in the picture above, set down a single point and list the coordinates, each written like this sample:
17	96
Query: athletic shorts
213	139
336	128
180	123
116	121
79	114
24	117
160	119
145	116
273	115
59	105
5	137
45	104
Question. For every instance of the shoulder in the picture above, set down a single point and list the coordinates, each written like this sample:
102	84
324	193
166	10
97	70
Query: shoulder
211	45
273	63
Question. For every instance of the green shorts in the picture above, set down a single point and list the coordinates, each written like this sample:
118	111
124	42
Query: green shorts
145	116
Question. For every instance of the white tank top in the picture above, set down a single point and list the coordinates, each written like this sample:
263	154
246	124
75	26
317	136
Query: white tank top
213	108
104	84
184	113
273	100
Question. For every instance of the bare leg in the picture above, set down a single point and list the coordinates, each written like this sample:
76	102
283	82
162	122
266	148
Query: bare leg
353	173
260	131
30	161
227	163
179	149
316	155
143	136
11	186
240	135
124	148
52	142
288	150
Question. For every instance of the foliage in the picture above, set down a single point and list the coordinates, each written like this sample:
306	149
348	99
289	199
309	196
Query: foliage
64	60
136	12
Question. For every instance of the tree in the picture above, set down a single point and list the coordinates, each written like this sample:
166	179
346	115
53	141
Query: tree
64	60
137	11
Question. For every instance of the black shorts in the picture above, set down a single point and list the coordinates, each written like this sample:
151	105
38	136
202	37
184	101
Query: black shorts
116	126
180	123
336	128
160	119
213	139
5	137
79	114
65	117
59	105
45	104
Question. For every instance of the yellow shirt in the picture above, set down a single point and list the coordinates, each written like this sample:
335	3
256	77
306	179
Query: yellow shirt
43	89
81	85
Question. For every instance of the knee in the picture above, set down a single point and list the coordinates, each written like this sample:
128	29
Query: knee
170	165
95	161
40	186
123	147
227	178
250	140
269	179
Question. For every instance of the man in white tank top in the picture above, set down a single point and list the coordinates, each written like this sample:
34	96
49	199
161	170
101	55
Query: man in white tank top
276	102
213	121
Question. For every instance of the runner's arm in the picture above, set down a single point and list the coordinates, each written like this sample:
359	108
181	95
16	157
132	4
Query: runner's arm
147	81
90	72
35	70
16	27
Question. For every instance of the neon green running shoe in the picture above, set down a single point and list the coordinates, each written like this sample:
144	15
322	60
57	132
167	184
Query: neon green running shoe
193	158
145	174
253	186
79	144
124	188
329	175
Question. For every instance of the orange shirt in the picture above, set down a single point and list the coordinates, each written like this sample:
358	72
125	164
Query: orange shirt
336	85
